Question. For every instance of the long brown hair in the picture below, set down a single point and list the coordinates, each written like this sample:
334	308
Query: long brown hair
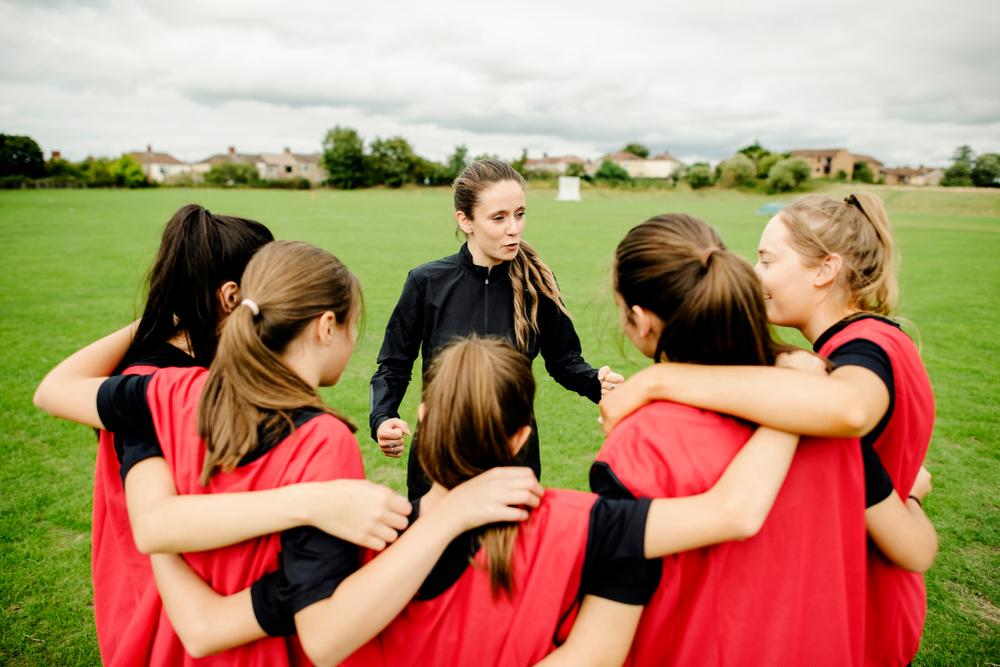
856	228
248	388
709	299
199	252
478	394
529	275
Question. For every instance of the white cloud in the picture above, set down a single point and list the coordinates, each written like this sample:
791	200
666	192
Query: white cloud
906	82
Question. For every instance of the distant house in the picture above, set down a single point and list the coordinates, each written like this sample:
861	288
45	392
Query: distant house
159	167
288	165
231	157
829	162
658	166
919	176
553	165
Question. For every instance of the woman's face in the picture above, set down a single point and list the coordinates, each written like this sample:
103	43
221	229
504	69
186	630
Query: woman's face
494	232
789	291
642	328
341	347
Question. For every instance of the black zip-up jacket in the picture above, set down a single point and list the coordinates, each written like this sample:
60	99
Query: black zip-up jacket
451	298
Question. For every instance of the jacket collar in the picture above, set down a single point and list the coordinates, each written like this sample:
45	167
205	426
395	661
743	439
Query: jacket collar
480	272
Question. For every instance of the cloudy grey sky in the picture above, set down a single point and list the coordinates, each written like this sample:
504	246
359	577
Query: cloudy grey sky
906	81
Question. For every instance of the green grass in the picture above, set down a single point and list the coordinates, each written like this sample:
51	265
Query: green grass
73	262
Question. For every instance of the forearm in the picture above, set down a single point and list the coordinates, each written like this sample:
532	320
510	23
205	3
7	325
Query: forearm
388	387
205	621
372	596
903	533
782	398
187	523
70	389
601	635
735	508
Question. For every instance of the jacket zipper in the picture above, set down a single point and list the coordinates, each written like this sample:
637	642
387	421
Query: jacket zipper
486	305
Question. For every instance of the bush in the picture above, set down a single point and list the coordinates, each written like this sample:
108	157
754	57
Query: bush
765	163
299	183
840	176
863	173
699	176
611	173
737	171
787	175
576	169
229	174
986	173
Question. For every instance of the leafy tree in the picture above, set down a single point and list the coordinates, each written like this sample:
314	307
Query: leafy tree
737	171
20	156
457	161
611	173
392	162
986	173
863	173
698	176
577	169
229	174
960	171
344	158
97	172
636	148
787	175
59	168
519	163
755	152
127	172
765	162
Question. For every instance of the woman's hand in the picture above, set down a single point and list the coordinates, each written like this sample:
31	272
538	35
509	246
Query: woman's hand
390	436
627	397
608	379
922	484
499	494
358	511
802	360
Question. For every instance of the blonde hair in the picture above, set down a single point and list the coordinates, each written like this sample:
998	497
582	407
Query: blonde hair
529	275
857	229
249	390
478	394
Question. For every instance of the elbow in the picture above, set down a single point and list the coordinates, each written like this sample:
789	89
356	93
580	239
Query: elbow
923	561
197	638
745	517
854	422
320	652
144	537
41	398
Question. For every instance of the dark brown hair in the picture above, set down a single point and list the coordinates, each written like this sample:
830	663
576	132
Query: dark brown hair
709	299
529	275
198	253
478	394
857	229
248	387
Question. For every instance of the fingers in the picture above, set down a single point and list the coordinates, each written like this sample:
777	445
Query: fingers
602	372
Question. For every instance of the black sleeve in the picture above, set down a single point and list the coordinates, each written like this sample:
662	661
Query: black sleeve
864	353
313	564
560	347
274	618
615	567
400	348
122	405
878	484
133	449
605	483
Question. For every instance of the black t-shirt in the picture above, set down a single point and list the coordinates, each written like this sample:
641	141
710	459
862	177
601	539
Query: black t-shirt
311	563
869	355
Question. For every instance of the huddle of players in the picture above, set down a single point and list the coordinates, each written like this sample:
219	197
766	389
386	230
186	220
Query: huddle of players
215	444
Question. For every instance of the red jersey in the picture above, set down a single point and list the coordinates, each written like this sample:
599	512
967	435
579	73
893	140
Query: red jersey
792	595
897	598
467	625
321	449
122	578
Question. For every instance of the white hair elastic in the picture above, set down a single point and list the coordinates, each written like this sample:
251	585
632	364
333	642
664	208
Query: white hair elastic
252	305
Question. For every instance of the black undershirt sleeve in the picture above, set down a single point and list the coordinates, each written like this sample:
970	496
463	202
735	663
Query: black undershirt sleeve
878	484
313	564
122	405
615	567
273	617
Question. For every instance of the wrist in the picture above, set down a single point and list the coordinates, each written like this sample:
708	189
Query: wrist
303	498
917	500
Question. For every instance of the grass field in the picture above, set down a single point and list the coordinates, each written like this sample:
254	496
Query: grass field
72	267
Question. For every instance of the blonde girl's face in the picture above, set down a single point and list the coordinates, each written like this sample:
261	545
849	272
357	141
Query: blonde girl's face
494	232
790	293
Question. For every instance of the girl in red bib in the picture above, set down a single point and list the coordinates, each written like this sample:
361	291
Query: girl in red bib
828	269
254	421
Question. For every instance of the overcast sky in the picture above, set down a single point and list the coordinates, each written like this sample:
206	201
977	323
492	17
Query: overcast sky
904	81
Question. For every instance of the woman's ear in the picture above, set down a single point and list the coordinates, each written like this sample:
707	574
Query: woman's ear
828	270
518	439
228	295
463	222
326	327
645	321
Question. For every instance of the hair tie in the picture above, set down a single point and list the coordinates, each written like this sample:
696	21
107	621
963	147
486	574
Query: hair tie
252	305
709	251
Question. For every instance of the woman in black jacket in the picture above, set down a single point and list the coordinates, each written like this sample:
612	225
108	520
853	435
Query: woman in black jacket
473	292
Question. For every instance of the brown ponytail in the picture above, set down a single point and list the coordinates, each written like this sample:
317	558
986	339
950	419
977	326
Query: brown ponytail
857	229
248	388
529	275
478	394
709	299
